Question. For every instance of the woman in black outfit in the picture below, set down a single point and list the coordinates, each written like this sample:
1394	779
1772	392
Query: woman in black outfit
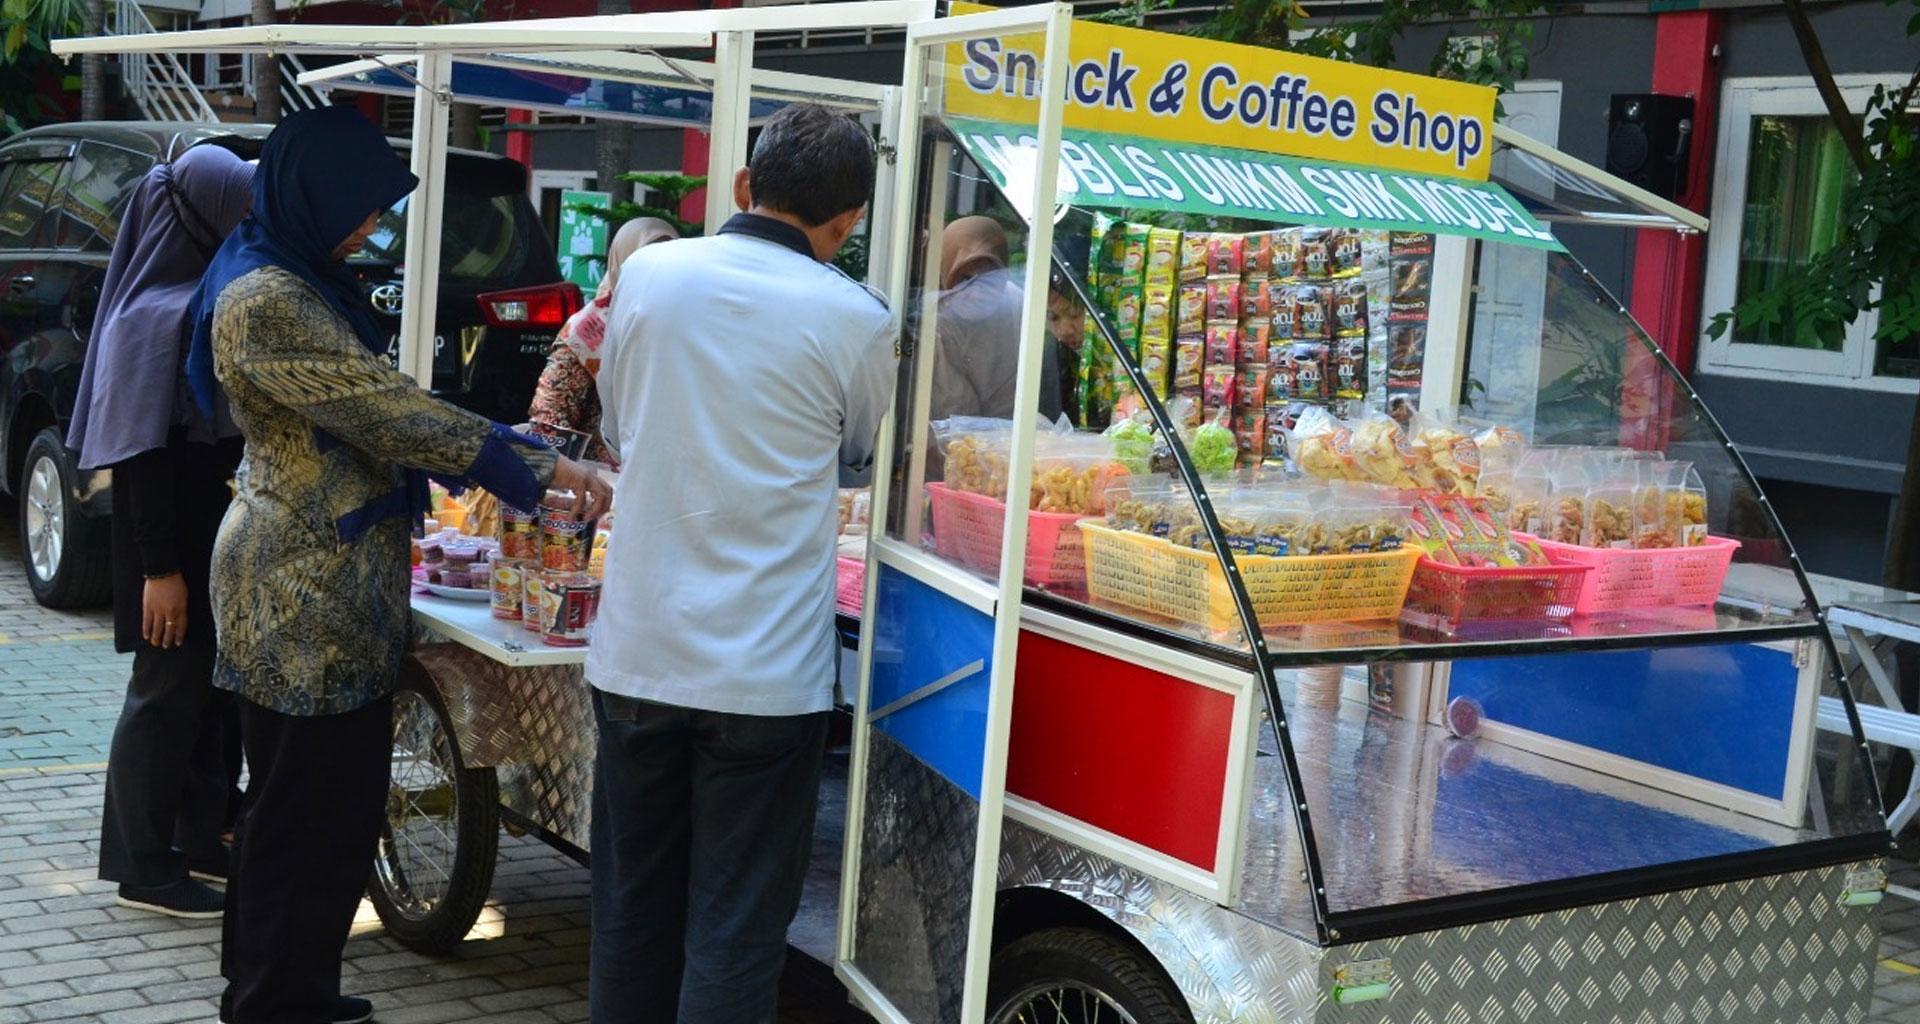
169	774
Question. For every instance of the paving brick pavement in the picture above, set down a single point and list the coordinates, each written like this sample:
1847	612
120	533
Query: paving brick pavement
68	955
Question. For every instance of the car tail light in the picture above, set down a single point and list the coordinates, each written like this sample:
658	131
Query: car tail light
545	307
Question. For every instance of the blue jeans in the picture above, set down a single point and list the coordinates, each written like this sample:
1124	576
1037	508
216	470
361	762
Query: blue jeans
702	823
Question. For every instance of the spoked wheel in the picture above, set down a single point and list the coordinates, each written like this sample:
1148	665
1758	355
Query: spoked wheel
434	865
1079	976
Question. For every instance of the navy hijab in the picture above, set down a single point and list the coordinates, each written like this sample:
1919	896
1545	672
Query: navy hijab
322	172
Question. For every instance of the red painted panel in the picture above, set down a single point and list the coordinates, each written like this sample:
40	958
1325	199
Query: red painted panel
520	144
1123	748
694	147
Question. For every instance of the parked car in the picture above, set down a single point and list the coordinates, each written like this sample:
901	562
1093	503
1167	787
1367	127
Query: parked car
63	189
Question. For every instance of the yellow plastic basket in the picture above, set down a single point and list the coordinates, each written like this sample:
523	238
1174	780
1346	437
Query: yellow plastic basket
1157	576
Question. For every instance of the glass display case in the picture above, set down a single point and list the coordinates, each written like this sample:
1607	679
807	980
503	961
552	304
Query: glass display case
1380	577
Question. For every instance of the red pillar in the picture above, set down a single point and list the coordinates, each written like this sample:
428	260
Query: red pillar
519	143
1668	268
694	145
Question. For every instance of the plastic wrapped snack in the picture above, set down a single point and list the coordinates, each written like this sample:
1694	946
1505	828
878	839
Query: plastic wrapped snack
1073	483
1256	299
1163	256
1323	446
1223	298
1693	508
1256	344
1226	254
1194	246
1250	391
1192	307
1217	383
1610	498
1381	452
1286	255
1189	357
1280	298
1344	253
1350	368
1133	253
1454	453
1223	344
1257	255
1308	361
1350	309
1566	508
974	450
1530	488
1310	319
1316	254
1131	442
1213	446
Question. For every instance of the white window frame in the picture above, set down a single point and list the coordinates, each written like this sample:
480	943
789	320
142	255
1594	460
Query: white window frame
1742	100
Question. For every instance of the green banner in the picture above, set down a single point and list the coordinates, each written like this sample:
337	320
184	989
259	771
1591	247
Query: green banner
1098	169
583	239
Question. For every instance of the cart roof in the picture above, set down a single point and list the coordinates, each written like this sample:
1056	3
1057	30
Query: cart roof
645	88
1560	189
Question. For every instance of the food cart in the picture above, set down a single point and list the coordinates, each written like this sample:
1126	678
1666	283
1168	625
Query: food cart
1164	781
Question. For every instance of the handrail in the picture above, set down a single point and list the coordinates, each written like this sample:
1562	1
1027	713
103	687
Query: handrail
157	81
293	95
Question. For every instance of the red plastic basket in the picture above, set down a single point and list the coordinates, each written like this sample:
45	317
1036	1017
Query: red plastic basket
1444	597
966	529
850	585
1626	578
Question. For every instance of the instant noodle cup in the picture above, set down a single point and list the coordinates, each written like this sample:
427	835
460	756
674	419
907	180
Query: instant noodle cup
508	589
566	542
533	588
519	533
568	606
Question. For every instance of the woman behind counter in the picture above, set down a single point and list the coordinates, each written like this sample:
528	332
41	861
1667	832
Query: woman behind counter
566	396
168	780
310	570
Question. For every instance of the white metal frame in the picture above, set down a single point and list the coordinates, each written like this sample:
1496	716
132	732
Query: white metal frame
1742	100
1055	20
1660	212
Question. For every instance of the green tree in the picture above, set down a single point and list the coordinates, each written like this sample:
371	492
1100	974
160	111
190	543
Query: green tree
1875	265
1484	41
664	192
26	29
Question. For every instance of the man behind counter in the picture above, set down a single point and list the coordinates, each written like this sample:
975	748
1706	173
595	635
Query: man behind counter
740	373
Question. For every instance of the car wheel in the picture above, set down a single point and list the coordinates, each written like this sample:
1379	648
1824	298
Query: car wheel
1079	976
434	865
66	553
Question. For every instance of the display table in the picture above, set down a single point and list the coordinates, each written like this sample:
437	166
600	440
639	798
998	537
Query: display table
471	624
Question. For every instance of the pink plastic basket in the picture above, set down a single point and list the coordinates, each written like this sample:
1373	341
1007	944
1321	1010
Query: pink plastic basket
850	585
1626	578
966	529
1445	597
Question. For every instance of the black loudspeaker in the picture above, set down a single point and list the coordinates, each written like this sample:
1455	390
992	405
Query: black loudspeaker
1648	138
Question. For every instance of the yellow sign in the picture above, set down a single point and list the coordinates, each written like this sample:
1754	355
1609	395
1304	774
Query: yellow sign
1132	81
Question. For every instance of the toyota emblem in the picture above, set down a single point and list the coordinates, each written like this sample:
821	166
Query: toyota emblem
386	299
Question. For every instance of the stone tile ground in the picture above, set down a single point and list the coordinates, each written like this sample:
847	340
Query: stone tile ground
68	955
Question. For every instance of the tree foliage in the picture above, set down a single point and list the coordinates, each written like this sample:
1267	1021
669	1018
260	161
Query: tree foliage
1875	266
666	191
1483	41
27	28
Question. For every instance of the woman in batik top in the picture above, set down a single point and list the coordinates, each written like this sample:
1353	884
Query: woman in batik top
310	570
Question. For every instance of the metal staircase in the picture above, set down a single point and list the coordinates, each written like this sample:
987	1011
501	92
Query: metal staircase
162	87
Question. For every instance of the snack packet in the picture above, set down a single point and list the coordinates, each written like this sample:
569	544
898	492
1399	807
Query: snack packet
1213	448
1323	446
1163	256
1257	254
1350	368
1226	254
1308	361
1350	308
1217	385
1189	356
1316	254
1192	306
1566	511
1454	453
1610	498
1280	299
1133	254
1344	252
1223	344
1286	255
1256	303
1223	298
1256	345
1194	246
1693	509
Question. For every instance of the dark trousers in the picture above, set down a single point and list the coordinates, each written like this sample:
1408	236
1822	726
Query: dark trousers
316	798
167	781
702	823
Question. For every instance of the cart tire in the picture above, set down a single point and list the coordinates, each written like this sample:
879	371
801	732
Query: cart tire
434	865
1073	975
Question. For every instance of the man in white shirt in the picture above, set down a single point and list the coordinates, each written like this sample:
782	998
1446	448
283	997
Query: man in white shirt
741	372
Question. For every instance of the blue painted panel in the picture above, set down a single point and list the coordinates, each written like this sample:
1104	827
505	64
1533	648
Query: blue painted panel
1487	820
1722	713
922	635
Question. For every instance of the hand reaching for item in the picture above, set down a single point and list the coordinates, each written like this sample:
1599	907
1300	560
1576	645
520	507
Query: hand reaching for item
592	495
163	611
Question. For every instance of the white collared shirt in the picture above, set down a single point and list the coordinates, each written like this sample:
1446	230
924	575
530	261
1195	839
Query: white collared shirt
738	376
